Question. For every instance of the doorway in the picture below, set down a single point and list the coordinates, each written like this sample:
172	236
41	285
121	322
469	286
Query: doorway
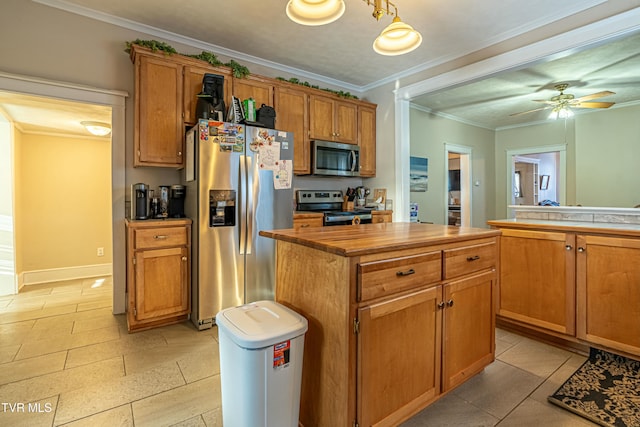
458	191
536	175
116	100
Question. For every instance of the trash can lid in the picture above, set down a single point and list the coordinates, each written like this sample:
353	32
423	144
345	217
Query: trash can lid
260	324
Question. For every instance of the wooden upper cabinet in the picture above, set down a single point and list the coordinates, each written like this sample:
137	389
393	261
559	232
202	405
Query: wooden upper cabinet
261	90
159	132
333	120
367	140
193	76
292	115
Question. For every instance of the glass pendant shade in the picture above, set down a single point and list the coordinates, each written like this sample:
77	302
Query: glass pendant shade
561	113
398	38
315	12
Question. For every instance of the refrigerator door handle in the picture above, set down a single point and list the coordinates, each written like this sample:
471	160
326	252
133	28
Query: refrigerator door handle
250	205
241	205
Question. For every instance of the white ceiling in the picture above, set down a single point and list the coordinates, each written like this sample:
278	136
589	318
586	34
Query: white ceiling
260	32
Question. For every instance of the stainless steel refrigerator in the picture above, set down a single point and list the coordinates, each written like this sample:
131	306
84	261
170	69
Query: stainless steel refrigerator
238	181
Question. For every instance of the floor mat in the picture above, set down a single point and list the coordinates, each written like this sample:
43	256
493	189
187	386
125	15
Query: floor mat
605	390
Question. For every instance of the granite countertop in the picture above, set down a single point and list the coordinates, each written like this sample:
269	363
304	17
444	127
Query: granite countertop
355	240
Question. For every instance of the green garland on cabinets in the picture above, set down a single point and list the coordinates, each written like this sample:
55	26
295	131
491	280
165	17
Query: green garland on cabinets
239	71
340	93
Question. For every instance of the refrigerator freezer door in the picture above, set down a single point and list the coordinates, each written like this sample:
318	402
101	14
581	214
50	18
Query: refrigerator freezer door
267	209
218	279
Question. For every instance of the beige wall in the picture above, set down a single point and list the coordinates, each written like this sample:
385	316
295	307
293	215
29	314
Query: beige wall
607	156
65	202
429	134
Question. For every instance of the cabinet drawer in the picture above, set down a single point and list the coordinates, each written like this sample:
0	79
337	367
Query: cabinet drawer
379	278
308	222
468	259
160	237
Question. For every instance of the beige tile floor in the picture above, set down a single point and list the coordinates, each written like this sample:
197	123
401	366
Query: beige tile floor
66	360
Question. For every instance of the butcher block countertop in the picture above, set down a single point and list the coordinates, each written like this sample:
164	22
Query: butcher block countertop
622	229
363	239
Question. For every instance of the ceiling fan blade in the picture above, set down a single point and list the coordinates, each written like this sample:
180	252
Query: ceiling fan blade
530	111
546	101
594	96
593	104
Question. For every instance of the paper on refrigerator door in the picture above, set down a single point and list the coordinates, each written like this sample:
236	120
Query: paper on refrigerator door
283	174
269	155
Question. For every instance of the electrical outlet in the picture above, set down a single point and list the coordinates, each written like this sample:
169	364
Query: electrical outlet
100	251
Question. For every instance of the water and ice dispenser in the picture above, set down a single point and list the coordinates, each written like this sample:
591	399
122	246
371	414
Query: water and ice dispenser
222	208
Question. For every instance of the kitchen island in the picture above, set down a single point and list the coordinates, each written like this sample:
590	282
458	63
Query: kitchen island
399	314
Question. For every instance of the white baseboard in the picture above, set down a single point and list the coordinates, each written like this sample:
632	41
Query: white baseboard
67	273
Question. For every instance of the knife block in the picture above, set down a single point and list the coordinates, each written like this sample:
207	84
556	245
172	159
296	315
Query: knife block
346	204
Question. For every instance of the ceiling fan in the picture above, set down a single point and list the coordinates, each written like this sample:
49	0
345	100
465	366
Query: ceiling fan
562	103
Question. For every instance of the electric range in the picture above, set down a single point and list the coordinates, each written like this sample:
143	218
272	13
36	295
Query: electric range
330	202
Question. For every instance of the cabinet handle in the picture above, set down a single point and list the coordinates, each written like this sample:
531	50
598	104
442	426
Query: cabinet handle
450	303
568	247
179	153
184	258
440	305
160	237
304	225
581	249
473	258
406	273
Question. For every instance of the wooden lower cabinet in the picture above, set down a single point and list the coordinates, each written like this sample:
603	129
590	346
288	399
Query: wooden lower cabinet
388	332
609	292
399	338
158	265
575	288
537	279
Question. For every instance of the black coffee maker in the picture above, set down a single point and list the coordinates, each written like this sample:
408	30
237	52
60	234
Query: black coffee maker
177	193
139	201
210	103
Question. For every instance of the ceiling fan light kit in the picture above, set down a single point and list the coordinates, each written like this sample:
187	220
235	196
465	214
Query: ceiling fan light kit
396	39
563	104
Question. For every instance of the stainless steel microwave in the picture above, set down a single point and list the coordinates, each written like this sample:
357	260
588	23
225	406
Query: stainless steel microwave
334	158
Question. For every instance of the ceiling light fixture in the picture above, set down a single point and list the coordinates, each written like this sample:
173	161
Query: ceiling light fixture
561	112
97	128
396	39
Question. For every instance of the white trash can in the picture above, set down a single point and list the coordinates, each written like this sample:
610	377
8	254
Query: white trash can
261	347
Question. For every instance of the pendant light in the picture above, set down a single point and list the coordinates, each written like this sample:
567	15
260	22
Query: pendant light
396	39
315	12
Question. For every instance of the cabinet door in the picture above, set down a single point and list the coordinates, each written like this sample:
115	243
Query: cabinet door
321	118
537	279
193	86
367	140
346	122
608	271
399	339
469	324
252	87
161	283
292	115
158	134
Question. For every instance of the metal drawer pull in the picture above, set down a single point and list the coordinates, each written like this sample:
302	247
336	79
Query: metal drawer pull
160	237
473	258
406	273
